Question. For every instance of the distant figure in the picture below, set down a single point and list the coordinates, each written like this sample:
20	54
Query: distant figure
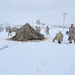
1	29
38	29
59	37
71	33
9	32
47	30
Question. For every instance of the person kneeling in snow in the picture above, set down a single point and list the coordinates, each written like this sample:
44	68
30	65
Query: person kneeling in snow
59	37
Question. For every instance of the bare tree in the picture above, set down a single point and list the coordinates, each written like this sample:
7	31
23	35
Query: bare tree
38	22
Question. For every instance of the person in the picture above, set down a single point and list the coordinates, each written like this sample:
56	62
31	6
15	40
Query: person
59	37
71	33
38	29
9	32
47	30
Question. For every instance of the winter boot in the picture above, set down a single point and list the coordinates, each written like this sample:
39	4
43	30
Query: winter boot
59	42
53	40
70	42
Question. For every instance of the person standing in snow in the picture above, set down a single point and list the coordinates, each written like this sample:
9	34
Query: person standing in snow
9	32
36	29
47	30
59	37
39	29
71	33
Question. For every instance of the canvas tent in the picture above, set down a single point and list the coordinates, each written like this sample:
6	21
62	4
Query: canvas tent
26	33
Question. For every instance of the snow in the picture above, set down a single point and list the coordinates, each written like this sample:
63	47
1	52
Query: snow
37	58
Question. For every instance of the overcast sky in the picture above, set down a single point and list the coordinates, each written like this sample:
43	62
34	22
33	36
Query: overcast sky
47	11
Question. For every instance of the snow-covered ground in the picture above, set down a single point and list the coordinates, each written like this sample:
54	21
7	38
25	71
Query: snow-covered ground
37	58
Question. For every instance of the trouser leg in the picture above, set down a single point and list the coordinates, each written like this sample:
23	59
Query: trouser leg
74	39
70	39
59	41
54	39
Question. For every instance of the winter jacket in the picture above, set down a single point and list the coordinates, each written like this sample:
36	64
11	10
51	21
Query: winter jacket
59	37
